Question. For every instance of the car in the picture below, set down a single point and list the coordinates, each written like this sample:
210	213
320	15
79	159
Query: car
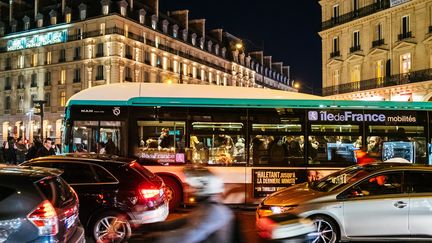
116	193
37	205
379	201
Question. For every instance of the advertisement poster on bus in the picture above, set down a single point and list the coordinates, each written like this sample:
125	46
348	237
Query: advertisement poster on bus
267	181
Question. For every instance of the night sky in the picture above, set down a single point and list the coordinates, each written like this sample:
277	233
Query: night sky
288	30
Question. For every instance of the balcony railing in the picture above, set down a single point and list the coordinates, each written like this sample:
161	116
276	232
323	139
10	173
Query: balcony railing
8	87
379	42
361	12
355	48
99	54
335	54
129	79
405	35
397	79
62	59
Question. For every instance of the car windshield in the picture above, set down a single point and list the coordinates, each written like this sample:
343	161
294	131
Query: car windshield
340	178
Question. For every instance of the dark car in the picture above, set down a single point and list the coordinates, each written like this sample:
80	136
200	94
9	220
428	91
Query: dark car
115	193
37	205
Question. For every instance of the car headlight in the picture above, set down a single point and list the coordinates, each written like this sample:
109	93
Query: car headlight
264	210
282	209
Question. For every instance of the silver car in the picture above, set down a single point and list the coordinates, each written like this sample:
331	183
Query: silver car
383	201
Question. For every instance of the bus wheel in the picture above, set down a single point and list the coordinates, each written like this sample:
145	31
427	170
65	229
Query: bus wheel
173	192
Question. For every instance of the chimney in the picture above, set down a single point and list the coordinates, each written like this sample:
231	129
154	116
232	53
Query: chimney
258	56
277	66
10	10
154	6
268	61
36	8
198	25
217	33
182	16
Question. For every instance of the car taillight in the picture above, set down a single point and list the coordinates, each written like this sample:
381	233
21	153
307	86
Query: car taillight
149	193
44	217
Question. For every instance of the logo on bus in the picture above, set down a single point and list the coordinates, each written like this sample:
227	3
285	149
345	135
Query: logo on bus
349	116
116	111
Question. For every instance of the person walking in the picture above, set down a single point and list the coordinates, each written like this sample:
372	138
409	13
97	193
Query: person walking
10	151
46	149
37	144
21	150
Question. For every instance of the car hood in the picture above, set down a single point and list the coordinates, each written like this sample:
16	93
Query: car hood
293	195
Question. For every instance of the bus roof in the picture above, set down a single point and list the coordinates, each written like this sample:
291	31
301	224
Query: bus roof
159	94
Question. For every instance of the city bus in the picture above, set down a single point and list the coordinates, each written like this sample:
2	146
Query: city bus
257	140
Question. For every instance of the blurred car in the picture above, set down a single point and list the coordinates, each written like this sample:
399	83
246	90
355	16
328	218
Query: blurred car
382	201
37	205
115	193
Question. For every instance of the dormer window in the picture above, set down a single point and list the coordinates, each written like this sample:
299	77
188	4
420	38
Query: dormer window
105	6
154	22
209	46
185	35
165	26
26	21
142	14
68	15
53	17
83	11
193	39
123	7
223	52
13	24
175	30
39	20
202	40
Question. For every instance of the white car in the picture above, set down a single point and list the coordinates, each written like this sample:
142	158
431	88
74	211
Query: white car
383	201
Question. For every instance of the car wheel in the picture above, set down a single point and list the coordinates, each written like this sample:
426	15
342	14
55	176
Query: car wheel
173	192
111	227
327	230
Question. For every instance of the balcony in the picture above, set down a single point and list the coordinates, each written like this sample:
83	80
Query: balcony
377	43
335	54
62	59
100	54
8	87
405	35
33	85
129	79
361	12
393	80
47	83
355	48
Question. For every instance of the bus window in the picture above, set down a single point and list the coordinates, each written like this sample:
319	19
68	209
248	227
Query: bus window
218	143
333	149
268	150
91	136
160	142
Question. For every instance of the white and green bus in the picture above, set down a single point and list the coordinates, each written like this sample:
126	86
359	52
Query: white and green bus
257	140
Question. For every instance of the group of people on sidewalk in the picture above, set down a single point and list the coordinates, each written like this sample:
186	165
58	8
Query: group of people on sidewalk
16	151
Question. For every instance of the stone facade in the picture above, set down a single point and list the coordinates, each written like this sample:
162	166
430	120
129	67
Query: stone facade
377	49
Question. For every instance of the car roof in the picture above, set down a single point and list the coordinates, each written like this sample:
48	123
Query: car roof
395	165
86	157
37	173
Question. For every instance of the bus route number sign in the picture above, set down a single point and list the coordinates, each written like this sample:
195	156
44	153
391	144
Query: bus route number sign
267	181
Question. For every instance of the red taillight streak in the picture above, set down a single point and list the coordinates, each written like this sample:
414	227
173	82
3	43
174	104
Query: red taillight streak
45	215
149	193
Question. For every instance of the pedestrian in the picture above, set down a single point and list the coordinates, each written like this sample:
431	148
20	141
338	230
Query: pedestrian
21	150
2	160
37	144
210	221
10	151
46	149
